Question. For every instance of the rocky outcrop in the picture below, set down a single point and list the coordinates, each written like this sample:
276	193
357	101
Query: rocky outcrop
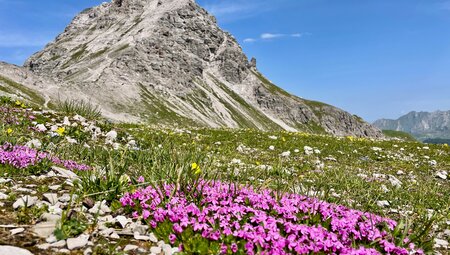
168	62
422	125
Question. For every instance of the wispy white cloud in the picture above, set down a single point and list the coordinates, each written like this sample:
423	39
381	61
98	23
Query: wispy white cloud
273	36
267	36
249	40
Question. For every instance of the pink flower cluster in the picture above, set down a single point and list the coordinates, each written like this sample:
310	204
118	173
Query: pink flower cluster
22	157
293	224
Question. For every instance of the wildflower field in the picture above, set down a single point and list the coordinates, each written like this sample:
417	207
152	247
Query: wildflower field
137	189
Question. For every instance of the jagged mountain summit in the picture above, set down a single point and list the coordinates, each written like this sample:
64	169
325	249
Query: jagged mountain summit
422	125
168	62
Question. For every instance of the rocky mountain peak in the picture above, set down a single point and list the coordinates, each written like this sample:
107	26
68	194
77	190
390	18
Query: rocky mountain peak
167	61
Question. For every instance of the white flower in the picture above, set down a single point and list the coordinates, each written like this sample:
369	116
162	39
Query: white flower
271	147
111	136
286	154
71	140
34	143
273	137
308	150
376	149
41	127
296	150
66	121
79	118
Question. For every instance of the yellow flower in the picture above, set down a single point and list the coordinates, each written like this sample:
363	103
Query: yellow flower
351	138
9	131
284	139
18	102
445	145
196	168
60	131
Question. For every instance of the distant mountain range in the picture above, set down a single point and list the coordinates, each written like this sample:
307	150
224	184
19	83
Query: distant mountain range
425	126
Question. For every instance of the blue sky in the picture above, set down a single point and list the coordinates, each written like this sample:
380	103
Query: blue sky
373	58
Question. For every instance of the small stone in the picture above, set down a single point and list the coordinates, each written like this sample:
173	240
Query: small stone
43	246
6	249
130	247
153	238
167	249
383	203
52	198
64	251
88	251
3	196
59	244
44	229
25	201
65	173
88	202
51	239
114	236
138	236
50	217
155	250
75	243
123	221
440	243
54	187
16	231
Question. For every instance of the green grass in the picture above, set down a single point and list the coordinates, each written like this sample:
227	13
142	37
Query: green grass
399	134
80	107
350	171
17	88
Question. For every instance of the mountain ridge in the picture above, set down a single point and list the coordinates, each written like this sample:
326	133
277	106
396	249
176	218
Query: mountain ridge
169	62
421	124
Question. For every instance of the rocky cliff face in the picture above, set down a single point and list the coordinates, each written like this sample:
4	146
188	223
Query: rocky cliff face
422	125
168	62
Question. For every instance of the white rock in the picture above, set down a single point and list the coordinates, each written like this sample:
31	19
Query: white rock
16	231
25	200
52	198
3	180
271	147
376	149
123	221
65	173
3	196
153	238
296	150
44	229
79	242
59	244
11	250
273	137
130	247
138	236
88	251
383	203
442	175
114	236
155	250
43	246
440	243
